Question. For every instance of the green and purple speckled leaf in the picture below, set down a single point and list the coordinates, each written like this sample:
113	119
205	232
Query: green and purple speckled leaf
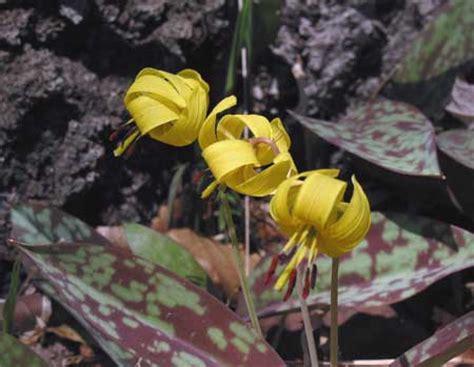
446	43
140	312
401	256
14	353
459	145
443	50
390	134
37	224
162	250
446	343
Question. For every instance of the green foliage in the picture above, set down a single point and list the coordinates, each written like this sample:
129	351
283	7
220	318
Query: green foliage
9	307
446	343
163	251
401	256
14	353
139	311
242	37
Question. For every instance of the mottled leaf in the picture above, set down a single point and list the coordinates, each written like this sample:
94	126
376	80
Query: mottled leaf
447	42
14	353
446	343
401	256
459	145
427	72
163	251
461	104
141	313
390	134
37	224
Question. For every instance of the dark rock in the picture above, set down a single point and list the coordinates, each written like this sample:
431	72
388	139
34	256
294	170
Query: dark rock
61	96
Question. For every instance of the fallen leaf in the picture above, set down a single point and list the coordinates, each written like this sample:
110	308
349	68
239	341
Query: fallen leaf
114	234
66	332
215	258
28	310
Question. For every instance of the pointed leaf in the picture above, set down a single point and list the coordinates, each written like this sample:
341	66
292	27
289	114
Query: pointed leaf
10	303
14	353
141	313
446	343
163	251
426	74
459	145
447	42
401	256
37	224
390	134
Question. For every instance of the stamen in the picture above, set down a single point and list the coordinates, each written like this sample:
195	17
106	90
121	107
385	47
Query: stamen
306	284
314	273
291	285
120	130
271	269
131	148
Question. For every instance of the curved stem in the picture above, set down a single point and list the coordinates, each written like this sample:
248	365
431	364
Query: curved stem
334	346
235	247
308	329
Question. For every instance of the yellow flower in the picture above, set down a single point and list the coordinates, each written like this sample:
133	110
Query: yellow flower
253	166
168	107
309	207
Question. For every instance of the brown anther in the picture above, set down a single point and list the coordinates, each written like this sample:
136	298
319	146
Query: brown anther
307	284
314	273
291	285
270	142
271	270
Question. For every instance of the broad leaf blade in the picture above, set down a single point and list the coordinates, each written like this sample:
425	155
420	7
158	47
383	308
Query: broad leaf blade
459	145
401	256
446	43
37	224
14	353
446	343
139	311
163	251
390	134
427	73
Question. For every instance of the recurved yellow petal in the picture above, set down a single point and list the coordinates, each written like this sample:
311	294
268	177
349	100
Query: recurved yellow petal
207	134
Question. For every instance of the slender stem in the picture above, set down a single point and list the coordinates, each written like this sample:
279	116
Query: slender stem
306	320
247	235
334	347
235	247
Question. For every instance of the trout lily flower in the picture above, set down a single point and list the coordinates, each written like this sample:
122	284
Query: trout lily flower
167	107
309	207
253	166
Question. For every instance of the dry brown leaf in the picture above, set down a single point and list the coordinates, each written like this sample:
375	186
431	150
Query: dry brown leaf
66	332
160	222
114	234
215	258
29	309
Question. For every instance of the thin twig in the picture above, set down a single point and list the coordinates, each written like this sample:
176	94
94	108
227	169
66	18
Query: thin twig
334	346
306	320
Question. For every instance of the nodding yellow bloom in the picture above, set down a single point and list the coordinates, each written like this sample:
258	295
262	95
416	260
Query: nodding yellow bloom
168	107
309	207
253	166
